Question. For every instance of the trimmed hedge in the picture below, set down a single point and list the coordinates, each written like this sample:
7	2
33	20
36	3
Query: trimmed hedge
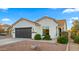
47	37
62	40
37	37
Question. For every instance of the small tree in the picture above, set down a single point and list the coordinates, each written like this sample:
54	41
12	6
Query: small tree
75	27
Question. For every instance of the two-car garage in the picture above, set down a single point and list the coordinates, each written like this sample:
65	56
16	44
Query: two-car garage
23	32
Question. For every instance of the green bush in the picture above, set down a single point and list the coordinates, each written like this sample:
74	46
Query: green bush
62	40
37	37
76	39
64	34
47	37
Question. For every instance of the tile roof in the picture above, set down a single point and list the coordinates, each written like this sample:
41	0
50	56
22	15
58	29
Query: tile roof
61	22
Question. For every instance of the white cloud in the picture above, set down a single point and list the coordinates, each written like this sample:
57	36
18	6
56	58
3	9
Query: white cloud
72	19
70	10
6	19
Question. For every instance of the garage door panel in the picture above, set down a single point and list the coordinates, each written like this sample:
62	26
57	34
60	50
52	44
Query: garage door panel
23	32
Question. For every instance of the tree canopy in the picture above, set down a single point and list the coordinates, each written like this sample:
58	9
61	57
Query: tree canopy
75	27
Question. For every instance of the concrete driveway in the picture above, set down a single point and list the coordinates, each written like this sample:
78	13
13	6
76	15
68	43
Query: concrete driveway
28	45
9	41
6	41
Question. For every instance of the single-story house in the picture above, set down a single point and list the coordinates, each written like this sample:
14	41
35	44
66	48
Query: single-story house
25	28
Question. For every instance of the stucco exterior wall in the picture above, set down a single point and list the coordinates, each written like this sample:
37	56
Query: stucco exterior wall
65	28
52	27
24	24
53	30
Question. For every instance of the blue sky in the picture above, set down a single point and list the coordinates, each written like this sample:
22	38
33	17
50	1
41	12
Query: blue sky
11	15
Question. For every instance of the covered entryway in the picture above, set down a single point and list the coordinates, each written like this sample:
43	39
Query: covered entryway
23	32
59	31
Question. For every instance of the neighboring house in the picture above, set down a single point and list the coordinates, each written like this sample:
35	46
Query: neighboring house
24	28
5	27
1	28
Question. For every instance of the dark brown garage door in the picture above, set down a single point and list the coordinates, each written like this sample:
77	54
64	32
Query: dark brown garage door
23	32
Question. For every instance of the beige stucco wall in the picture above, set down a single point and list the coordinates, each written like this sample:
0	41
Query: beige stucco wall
52	26
65	28
23	24
38	29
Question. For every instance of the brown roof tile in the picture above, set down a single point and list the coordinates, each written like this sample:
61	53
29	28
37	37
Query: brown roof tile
61	22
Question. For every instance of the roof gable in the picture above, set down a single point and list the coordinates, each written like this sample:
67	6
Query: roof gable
23	19
47	18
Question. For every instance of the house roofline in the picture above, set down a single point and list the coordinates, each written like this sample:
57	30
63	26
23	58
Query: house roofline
21	20
48	18
65	22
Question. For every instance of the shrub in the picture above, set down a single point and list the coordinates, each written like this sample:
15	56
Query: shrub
76	39
37	37
47	37
62	40
64	34
73	36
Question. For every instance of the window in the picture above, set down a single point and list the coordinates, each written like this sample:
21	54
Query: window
45	30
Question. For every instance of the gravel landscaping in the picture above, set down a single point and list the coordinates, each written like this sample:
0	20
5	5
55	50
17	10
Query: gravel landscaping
32	45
